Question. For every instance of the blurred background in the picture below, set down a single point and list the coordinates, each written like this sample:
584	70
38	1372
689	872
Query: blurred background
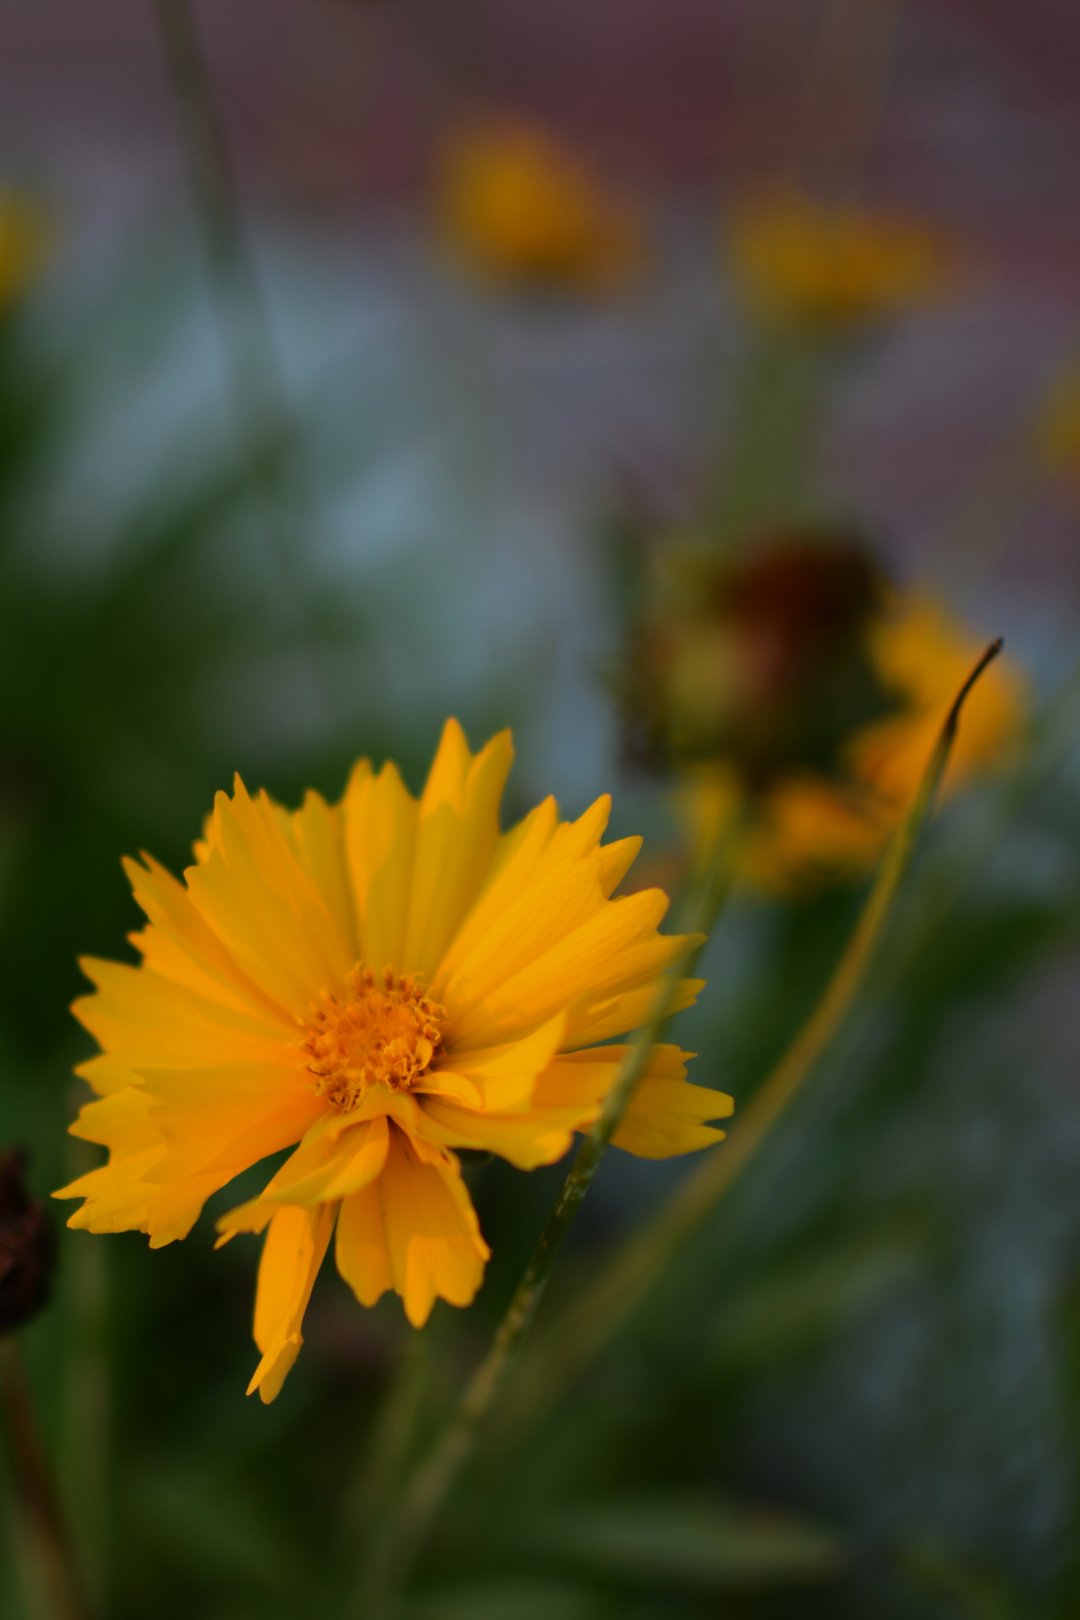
364	361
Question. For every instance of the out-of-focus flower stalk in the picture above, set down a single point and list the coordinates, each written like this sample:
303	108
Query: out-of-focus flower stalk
85	1436
613	1297
37	1503
766	473
259	398
412	1516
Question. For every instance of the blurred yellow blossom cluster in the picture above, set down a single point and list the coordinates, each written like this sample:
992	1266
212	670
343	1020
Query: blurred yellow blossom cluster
830	268
799	686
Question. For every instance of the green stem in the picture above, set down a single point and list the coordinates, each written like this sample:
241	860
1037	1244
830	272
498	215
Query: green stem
426	1491
36	1495
246	329
646	1255
778	412
258	393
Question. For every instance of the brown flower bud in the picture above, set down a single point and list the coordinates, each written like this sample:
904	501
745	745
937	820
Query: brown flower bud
760	660
27	1246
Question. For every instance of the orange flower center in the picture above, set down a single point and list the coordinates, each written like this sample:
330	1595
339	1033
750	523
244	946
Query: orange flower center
384	1031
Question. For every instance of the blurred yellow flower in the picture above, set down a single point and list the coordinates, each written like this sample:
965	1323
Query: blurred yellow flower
807	826
373	984
520	208
1057	430
829	269
24	236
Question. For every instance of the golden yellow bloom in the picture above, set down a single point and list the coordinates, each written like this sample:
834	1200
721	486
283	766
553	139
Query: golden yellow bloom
520	208
373	984
23	246
829	269
807	825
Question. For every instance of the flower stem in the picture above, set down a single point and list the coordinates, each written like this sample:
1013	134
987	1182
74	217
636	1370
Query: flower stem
646	1255
429	1485
35	1492
259	398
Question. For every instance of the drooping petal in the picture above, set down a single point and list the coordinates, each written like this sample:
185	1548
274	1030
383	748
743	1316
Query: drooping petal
327	1165
292	1254
361	1251
414	1230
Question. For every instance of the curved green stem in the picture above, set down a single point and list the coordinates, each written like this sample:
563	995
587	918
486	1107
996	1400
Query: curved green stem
259	398
645	1256
427	1489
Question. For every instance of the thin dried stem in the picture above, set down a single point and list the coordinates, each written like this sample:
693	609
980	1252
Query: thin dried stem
35	1494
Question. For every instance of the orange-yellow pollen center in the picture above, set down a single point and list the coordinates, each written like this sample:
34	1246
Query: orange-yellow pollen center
384	1031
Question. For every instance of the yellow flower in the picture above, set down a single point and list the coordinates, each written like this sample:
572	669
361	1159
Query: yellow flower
23	246
1057	428
521	209
808	825
829	269
373	984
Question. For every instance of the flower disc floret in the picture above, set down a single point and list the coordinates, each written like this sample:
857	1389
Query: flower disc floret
382	1032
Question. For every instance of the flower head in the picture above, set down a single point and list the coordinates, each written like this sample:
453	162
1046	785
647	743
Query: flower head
830	269
27	1247
373	984
521	209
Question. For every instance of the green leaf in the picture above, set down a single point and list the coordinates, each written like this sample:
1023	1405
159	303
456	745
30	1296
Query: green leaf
693	1541
507	1600
796	1307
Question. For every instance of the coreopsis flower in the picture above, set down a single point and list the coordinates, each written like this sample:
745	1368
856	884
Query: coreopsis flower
802	691
829	269
27	1247
23	247
521	209
373	984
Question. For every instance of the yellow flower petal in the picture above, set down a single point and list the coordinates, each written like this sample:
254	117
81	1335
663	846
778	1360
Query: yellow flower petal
432	1234
253	892
380	842
291	1257
457	836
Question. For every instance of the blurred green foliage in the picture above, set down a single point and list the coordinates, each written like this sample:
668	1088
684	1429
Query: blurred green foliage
857	1394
